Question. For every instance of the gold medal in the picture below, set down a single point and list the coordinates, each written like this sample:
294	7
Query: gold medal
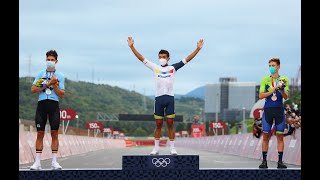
274	98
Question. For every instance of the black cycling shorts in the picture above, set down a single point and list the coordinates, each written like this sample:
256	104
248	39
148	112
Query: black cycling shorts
47	109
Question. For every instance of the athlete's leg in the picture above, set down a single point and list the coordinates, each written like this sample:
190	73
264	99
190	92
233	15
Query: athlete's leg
40	122
54	144
158	116
159	123
54	120
266	134
267	121
39	145
280	126
170	123
171	131
157	134
280	145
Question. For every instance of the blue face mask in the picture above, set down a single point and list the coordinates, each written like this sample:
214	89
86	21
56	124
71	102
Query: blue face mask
51	64
272	69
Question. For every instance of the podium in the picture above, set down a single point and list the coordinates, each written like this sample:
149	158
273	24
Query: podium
160	166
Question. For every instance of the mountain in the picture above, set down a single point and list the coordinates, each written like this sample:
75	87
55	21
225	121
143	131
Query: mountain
197	93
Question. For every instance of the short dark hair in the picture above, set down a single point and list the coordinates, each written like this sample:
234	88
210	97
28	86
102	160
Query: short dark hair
162	51
276	60
52	53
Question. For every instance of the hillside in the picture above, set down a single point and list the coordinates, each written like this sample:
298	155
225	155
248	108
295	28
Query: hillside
87	99
197	93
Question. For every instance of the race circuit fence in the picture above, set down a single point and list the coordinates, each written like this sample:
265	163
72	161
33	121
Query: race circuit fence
68	145
247	145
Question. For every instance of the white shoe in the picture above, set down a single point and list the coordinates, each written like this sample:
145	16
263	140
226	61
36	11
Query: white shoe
55	166
36	166
173	151
154	151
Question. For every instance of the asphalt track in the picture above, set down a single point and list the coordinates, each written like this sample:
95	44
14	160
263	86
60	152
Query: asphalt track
112	159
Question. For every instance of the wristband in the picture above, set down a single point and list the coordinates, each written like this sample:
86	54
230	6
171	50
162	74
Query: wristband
184	61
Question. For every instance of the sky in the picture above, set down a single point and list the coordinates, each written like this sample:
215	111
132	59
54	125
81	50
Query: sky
90	37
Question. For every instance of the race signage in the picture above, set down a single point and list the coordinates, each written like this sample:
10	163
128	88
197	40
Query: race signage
257	113
197	130
107	130
67	114
184	132
93	125
116	132
217	125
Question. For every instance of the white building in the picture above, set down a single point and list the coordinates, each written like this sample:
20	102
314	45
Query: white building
229	98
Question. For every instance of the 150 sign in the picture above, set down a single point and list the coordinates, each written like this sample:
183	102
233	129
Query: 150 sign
218	125
93	125
67	114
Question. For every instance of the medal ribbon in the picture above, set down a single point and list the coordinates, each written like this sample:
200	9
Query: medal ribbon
48	75
48	89
273	85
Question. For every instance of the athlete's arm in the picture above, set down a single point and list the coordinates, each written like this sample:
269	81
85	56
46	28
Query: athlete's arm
179	64
34	87
284	95
195	52
58	87
266	94
133	49
262	93
58	91
284	91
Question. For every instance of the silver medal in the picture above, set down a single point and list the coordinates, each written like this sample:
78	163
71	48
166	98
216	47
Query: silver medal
48	91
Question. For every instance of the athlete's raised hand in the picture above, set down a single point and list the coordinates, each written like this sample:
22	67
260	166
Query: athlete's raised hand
130	41
200	43
135	52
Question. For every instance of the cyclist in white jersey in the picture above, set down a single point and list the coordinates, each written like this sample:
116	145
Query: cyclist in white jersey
164	95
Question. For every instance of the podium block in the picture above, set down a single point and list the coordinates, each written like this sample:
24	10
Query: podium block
160	162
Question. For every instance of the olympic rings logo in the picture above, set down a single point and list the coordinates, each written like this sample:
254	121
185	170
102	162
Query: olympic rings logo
164	162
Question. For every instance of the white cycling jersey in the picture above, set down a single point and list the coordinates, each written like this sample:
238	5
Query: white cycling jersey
164	76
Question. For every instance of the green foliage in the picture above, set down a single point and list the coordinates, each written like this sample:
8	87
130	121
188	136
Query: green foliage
249	123
87	99
140	132
294	98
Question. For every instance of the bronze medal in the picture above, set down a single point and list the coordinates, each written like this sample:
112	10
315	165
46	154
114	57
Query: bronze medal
274	98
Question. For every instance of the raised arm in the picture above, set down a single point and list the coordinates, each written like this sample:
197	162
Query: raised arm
133	49
195	52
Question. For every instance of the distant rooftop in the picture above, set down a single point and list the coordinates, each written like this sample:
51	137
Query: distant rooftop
227	79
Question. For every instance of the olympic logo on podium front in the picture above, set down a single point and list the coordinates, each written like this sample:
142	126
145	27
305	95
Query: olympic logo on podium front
164	162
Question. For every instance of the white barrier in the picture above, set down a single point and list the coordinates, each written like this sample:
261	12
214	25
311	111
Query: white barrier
246	145
68	145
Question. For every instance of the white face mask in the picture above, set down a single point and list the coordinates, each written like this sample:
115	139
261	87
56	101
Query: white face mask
163	61
51	64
